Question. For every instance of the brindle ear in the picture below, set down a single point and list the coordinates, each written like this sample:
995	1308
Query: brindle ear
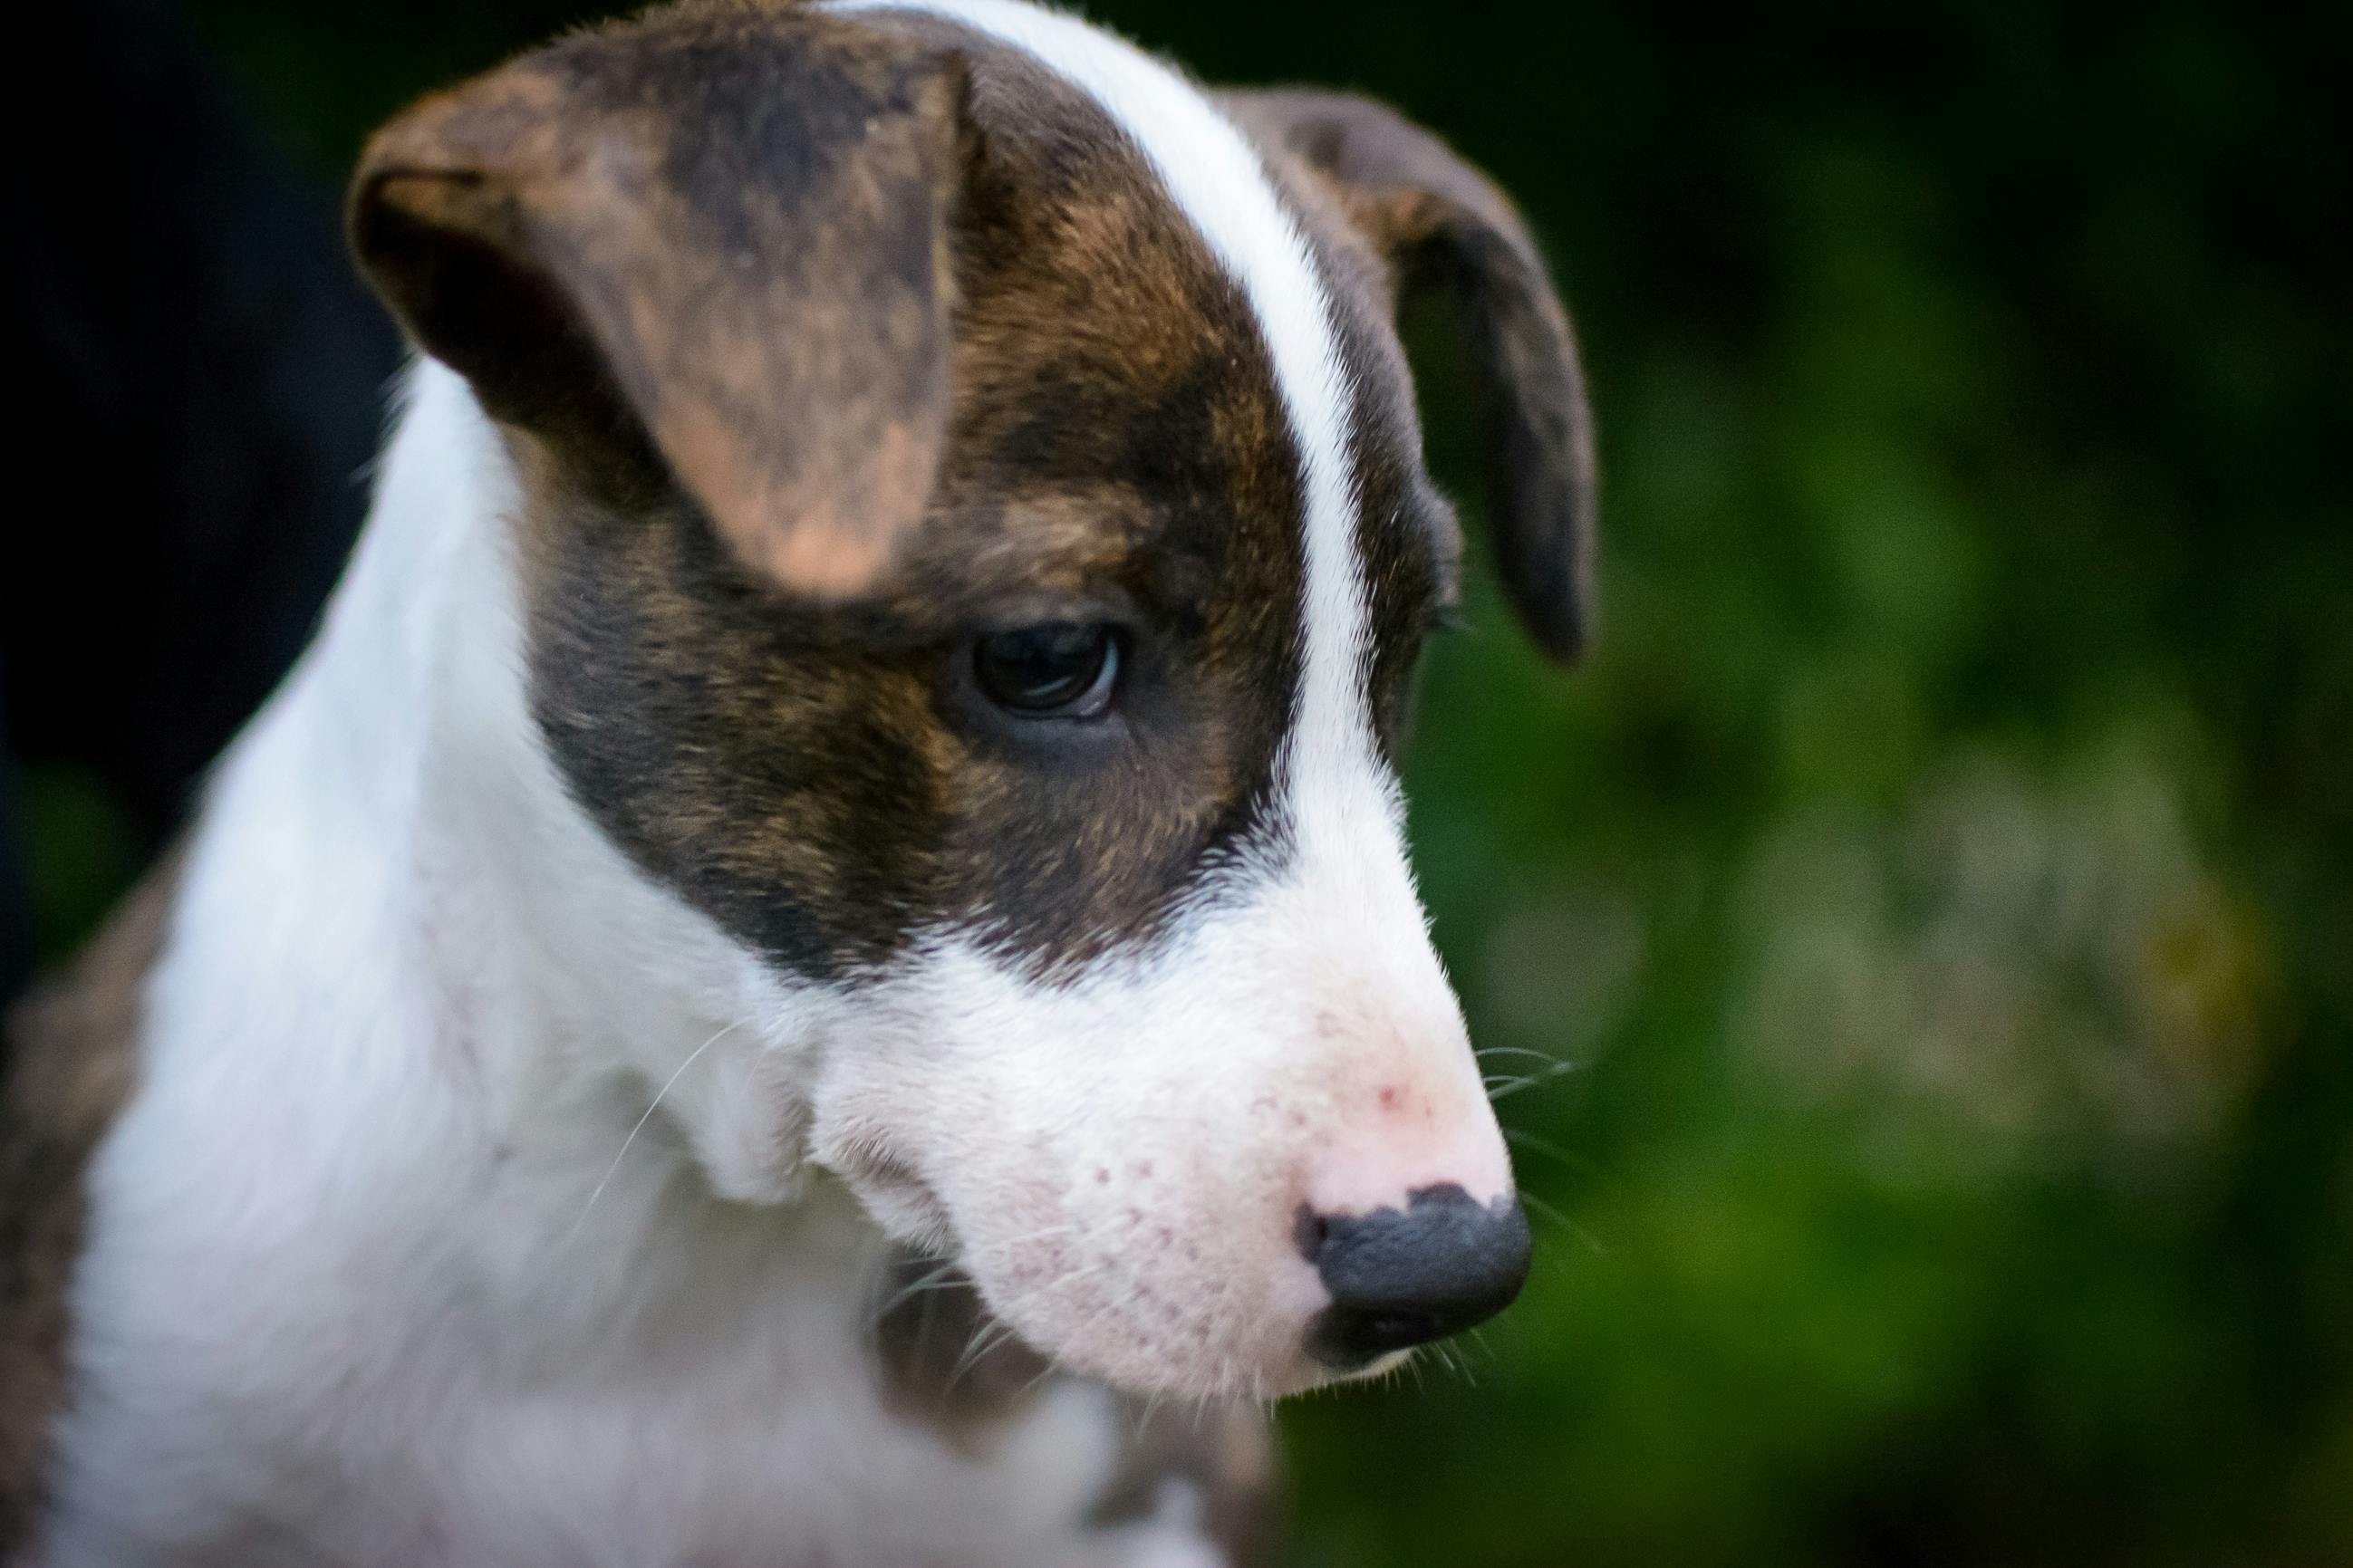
1440	221
716	234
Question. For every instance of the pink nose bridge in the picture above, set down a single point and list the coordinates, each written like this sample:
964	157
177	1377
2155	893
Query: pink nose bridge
1397	1132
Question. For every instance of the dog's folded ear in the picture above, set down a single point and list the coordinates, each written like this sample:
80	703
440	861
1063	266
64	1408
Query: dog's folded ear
710	244
1438	222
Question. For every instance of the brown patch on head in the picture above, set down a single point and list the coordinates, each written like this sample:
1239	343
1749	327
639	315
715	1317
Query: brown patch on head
71	1055
823	778
721	228
1432	219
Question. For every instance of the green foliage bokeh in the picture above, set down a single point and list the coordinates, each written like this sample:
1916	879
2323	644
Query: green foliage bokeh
1914	945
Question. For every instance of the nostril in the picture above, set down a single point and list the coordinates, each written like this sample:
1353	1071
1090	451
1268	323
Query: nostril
1399	1278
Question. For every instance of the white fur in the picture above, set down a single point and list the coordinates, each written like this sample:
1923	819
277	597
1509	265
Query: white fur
388	1263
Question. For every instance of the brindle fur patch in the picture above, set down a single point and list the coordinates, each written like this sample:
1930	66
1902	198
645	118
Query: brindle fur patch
70	1069
721	224
822	778
1093	432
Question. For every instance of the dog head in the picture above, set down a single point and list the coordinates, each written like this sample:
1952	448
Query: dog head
975	549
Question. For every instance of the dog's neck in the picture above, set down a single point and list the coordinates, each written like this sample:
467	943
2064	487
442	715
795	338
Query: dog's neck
523	985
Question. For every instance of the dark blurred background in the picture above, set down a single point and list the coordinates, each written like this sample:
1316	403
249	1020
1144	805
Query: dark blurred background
1918	944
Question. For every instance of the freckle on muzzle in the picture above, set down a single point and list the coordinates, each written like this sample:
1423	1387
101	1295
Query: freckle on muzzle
1403	1278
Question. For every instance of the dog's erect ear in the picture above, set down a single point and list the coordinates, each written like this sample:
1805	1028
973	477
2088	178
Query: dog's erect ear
1441	222
719	230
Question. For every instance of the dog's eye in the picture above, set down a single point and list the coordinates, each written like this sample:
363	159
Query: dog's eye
1057	670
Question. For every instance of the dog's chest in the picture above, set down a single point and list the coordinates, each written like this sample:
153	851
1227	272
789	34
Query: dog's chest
646	1476
771	1449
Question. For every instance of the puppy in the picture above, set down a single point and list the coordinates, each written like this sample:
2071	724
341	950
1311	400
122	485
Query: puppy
862	726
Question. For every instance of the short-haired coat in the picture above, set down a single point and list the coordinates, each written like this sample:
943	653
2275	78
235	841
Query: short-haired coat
861	727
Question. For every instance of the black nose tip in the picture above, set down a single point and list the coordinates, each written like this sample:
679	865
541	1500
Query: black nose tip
1402	1277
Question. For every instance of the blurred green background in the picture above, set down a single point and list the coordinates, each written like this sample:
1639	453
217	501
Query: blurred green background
1918	943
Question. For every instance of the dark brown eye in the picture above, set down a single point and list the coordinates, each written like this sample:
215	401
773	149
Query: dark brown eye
1057	670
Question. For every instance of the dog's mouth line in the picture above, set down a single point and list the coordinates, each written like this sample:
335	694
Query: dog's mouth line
898	1197
934	1262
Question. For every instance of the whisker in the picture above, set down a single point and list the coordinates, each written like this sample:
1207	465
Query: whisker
1016	1243
1513	1086
1537	1146
1544	1056
989	1337
1538	1205
615	1167
938	1278
1050	1369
